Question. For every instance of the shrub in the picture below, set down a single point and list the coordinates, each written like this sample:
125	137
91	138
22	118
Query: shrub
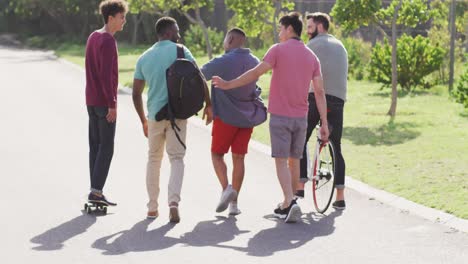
358	56
461	92
416	58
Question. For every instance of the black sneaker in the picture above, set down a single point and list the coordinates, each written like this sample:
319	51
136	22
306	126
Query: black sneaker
93	198
299	194
291	214
340	205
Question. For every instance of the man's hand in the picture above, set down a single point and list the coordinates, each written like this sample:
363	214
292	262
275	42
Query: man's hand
145	128
324	133
208	112
111	115
219	82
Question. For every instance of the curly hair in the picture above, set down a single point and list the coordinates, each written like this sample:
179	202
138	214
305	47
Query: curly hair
112	8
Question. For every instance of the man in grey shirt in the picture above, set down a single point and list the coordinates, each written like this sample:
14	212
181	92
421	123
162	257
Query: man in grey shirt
334	63
235	112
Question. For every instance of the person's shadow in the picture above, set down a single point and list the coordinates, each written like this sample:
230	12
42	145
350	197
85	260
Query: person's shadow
54	238
137	239
288	236
213	232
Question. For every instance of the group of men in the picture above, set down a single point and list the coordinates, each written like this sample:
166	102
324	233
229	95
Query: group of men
308	86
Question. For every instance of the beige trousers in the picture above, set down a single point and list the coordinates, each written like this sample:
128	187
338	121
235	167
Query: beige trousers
160	133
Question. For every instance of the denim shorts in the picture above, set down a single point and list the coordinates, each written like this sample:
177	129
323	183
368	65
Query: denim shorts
287	136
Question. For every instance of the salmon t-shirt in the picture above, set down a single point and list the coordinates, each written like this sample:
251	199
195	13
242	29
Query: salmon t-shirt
294	67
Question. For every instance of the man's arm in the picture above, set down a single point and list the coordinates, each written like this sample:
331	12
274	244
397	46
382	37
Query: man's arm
248	77
109	56
208	112
321	102
138	86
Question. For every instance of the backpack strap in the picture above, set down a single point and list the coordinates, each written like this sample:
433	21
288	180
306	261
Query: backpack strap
180	51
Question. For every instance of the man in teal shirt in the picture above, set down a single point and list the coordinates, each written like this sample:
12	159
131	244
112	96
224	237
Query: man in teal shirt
151	68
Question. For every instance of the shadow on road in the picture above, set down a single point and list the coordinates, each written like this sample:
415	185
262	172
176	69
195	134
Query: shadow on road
54	238
213	232
288	236
137	239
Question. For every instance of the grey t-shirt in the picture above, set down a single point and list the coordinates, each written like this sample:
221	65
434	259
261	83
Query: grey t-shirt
334	62
242	106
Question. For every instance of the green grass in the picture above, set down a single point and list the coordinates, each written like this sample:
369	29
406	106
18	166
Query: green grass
421	155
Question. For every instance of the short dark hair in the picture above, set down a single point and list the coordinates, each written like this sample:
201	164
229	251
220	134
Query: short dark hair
163	24
320	18
237	31
112	8
292	19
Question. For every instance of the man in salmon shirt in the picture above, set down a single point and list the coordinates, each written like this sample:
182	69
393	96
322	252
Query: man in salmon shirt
101	94
294	68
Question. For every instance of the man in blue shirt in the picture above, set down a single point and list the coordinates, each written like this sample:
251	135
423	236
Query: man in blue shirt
151	68
235	113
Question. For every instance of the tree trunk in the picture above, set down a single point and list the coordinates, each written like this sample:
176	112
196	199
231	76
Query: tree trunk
209	49
198	20
392	110
136	22
452	43
275	19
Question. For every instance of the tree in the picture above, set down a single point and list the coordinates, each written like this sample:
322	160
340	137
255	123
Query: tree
192	11
352	14
416	57
256	16
70	15
136	10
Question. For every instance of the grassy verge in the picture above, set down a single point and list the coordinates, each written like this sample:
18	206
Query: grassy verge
420	155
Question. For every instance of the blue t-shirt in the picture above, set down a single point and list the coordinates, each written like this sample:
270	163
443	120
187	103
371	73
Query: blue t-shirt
242	106
151	67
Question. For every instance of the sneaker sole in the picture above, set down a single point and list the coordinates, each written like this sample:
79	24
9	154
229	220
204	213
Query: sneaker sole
280	216
294	214
339	207
224	204
235	213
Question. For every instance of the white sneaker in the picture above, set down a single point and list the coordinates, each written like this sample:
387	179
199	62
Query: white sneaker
233	209
227	196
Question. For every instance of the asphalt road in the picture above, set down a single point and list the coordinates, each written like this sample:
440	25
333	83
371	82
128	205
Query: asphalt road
44	172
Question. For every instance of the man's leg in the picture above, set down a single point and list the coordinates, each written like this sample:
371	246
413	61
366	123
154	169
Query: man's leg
284	178
335	119
294	169
93	136
176	153
239	148
156	139
313	118
220	169
105	149
238	171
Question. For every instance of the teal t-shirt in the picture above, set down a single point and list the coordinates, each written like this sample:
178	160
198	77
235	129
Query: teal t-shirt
151	67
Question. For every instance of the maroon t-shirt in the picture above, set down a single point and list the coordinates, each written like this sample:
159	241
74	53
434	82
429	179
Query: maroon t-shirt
102	76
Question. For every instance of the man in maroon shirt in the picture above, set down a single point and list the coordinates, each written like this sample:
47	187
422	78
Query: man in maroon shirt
101	94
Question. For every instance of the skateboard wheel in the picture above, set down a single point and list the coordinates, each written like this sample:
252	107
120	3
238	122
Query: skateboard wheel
104	210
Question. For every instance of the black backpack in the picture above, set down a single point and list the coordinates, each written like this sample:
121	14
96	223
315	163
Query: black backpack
186	91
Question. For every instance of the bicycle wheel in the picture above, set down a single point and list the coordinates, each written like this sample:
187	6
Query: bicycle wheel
323	177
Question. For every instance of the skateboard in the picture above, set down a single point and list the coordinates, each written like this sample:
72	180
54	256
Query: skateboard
95	207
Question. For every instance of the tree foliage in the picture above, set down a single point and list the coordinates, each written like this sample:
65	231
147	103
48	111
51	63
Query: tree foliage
352	14
257	16
416	57
461	93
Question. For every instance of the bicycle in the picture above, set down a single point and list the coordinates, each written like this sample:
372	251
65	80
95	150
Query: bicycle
322	173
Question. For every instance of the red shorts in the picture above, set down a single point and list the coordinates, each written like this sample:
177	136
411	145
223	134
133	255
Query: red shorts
225	136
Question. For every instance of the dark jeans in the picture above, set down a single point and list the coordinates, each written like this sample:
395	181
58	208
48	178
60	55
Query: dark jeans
101	146
335	107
